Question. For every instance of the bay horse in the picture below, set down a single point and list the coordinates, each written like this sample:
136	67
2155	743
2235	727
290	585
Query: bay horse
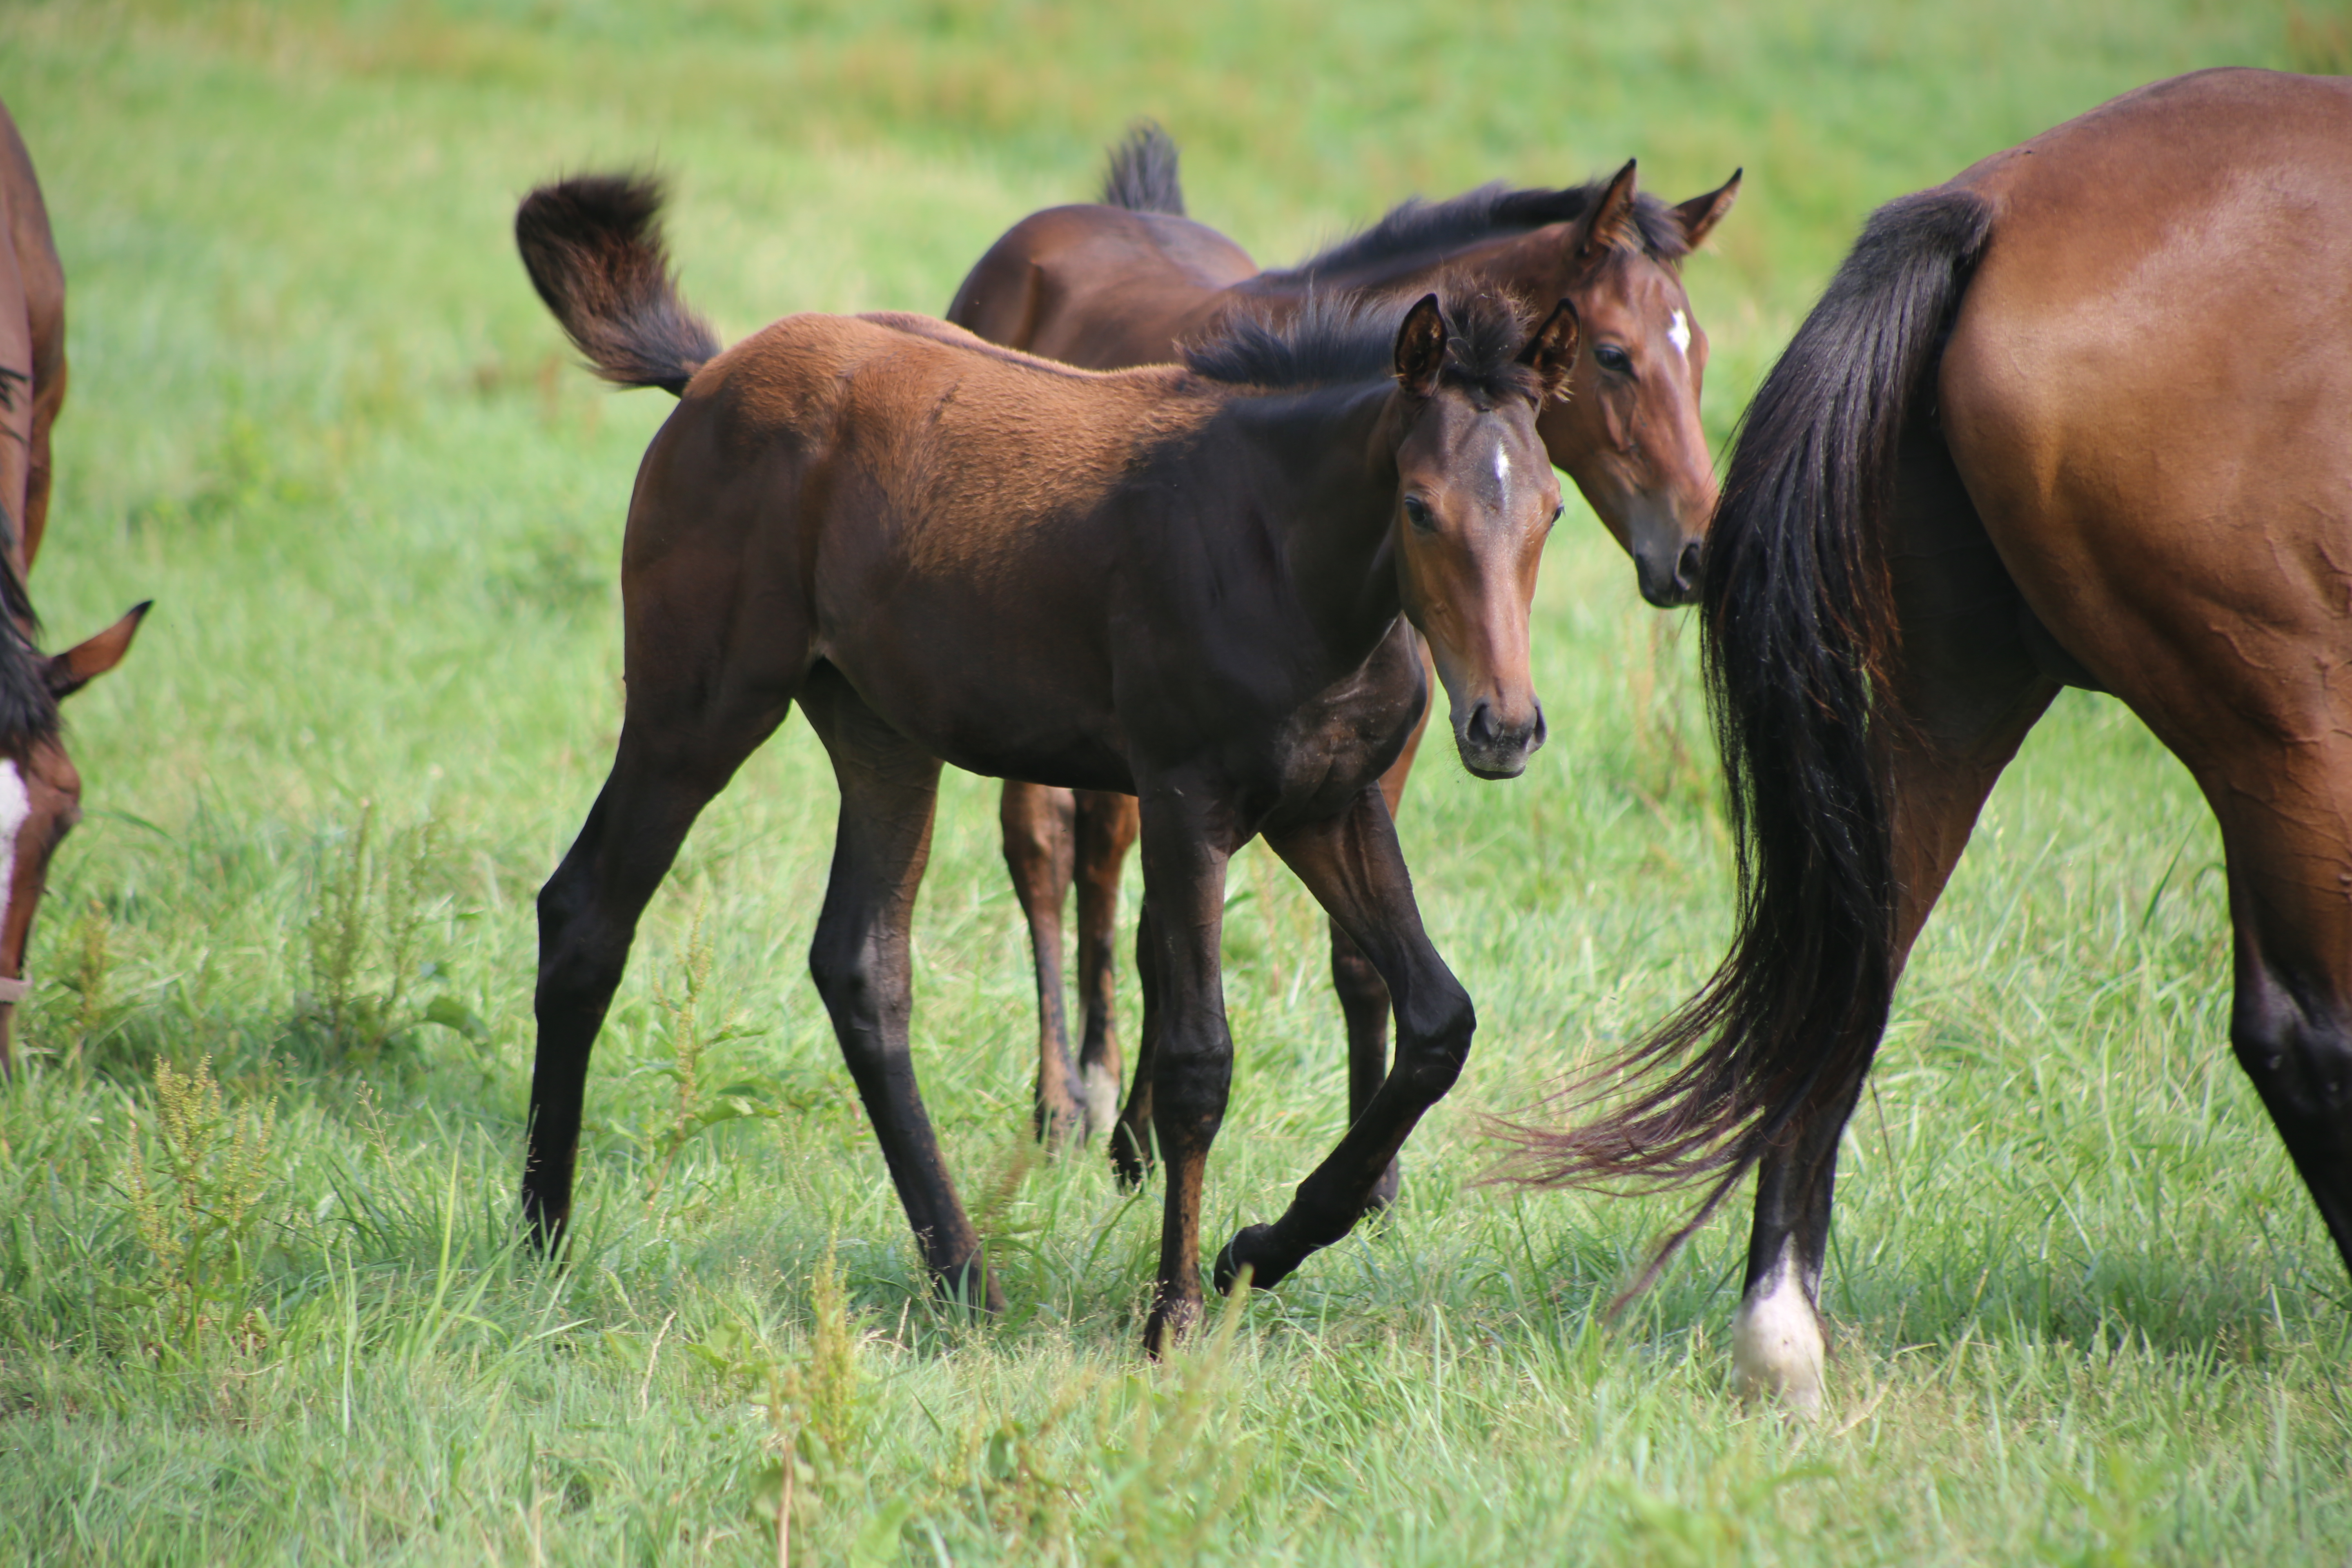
1127	280
40	790
1191	584
2081	416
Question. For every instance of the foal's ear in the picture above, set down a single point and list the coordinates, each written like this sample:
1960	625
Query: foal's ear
1700	214
1551	353
79	665
1421	347
1610	225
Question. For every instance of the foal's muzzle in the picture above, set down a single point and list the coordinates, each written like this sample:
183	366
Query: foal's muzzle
1494	747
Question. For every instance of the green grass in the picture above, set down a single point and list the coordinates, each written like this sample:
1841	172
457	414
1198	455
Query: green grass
2084	1310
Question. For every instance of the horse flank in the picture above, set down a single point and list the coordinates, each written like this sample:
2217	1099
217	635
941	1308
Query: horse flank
1799	627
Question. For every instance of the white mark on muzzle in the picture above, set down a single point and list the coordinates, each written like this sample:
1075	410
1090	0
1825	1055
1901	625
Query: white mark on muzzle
14	806
1678	333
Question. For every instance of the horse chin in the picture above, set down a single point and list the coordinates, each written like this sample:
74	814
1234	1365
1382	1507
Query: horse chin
1493	768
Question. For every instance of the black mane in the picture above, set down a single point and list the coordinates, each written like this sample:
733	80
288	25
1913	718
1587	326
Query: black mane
1350	338
29	708
1415	227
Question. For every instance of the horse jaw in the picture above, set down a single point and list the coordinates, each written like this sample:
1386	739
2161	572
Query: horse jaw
1776	1340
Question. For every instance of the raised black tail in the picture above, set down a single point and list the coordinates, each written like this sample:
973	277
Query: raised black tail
593	248
1142	173
1798	617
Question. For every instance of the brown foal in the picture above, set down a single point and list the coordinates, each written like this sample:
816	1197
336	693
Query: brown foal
1129	280
1194	584
2077	418
40	791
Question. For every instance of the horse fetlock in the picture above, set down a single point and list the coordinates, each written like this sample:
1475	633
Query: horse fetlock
1777	1345
1099	1085
1174	1316
1260	1249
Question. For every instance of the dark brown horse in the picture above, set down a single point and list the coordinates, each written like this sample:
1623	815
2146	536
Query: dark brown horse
1127	281
40	791
1188	583
2082	416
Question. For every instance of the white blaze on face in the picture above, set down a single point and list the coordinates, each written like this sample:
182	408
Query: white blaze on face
1678	333
14	806
1502	470
1776	1340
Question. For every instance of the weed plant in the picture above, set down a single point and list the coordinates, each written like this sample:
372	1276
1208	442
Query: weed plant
262	1296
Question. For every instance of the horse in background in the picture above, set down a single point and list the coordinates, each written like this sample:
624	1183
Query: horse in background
2078	417
1191	584
40	790
1130	279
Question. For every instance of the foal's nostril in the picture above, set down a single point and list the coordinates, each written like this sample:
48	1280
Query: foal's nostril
1480	731
1688	565
1537	737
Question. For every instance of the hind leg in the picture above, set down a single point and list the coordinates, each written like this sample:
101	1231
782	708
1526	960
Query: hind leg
861	963
1969	690
1107	826
1132	1149
666	771
1040	833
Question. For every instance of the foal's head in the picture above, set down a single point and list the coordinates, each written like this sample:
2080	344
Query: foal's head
40	790
1476	499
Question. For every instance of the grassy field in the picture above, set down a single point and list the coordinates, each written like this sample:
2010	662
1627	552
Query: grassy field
259	1294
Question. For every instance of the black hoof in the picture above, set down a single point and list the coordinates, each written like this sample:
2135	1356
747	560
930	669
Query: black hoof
1250	1250
1127	1166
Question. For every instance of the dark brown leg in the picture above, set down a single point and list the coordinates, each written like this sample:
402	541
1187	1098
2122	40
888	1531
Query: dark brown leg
862	966
1039	842
1354	867
1132	1147
1970	692
663	776
1107	827
1364	996
1192	1054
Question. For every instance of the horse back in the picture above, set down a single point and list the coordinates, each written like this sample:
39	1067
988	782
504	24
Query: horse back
1100	286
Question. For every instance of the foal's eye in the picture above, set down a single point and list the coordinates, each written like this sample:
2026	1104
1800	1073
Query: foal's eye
1557	507
1416	512
1611	357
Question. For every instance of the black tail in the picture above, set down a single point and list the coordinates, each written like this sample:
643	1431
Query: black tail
1801	633
593	248
1142	173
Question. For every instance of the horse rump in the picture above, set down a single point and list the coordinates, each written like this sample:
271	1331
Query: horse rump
593	246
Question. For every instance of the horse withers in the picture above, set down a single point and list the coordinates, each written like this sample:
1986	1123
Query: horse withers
40	790
1194	584
1130	279
2077	418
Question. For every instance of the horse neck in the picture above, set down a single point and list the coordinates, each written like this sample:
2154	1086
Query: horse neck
1327	483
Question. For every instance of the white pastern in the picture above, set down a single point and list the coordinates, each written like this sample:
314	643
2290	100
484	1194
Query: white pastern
14	806
1678	333
1776	1340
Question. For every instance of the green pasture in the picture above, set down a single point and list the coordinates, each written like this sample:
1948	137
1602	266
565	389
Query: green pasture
260	1296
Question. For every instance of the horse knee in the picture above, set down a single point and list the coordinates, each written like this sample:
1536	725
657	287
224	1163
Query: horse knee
1434	1042
2299	1057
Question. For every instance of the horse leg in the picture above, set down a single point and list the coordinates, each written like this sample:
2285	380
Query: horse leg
663	773
1106	826
1969	690
1364	996
1191	1056
1038	840
1354	867
861	963
2285	811
1132	1150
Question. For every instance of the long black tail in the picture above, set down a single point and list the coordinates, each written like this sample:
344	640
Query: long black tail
1798	617
1142	173
593	248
